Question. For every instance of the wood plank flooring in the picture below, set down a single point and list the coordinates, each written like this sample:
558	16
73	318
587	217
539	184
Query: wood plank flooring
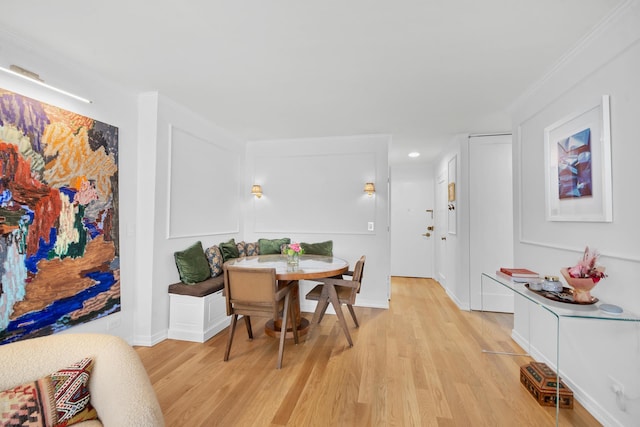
420	363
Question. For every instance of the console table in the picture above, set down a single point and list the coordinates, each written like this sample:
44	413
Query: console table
559	310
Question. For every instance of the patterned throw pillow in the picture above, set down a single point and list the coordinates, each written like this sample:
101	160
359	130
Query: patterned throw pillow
214	256
71	393
31	404
251	249
60	399
241	249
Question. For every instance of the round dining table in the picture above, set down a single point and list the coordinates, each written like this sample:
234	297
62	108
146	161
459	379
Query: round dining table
309	267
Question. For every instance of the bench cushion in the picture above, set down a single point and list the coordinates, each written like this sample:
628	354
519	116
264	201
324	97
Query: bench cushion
199	289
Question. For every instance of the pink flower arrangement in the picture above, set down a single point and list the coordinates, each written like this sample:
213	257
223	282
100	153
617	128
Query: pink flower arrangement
587	268
294	248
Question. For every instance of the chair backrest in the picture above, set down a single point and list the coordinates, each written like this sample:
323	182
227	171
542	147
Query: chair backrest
250	290
358	272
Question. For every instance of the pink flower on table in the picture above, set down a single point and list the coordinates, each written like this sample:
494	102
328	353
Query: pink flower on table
294	248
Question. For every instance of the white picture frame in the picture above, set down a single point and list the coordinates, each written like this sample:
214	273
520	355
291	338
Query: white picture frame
578	166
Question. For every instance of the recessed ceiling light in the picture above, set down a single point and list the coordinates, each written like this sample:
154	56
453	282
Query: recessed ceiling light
414	154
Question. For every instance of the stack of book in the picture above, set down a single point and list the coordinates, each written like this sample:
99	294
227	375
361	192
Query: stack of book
518	274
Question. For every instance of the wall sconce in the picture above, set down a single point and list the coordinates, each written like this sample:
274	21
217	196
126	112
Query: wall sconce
369	188
17	71
256	190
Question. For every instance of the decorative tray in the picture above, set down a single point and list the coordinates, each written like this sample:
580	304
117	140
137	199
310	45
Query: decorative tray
565	296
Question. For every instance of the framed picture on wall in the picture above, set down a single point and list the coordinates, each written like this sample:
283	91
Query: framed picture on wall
578	166
452	172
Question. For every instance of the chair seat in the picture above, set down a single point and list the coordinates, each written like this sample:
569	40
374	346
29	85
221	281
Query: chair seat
344	293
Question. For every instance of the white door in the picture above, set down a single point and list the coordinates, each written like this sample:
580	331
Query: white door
411	197
490	219
440	231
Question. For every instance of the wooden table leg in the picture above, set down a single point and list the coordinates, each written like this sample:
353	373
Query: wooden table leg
273	326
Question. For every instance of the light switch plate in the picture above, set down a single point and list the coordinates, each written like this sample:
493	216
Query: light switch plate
370	226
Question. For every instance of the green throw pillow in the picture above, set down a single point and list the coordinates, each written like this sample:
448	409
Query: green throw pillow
229	250
192	264
322	248
272	246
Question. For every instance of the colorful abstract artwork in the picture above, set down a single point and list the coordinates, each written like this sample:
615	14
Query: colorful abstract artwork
574	165
59	248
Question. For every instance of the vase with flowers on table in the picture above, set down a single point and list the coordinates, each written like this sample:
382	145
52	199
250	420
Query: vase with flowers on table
293	252
584	276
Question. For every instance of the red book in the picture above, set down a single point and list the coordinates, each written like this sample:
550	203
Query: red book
519	272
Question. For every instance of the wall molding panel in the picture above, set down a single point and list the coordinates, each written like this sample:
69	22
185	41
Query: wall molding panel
195	162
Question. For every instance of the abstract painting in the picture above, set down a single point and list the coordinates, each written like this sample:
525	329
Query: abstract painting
574	165
578	166
59	246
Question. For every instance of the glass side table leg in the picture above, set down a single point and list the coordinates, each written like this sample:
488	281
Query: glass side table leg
507	353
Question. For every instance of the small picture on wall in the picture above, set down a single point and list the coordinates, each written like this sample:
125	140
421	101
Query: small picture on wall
452	192
578	166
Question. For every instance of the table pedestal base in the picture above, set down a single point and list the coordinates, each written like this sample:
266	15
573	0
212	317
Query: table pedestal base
274	332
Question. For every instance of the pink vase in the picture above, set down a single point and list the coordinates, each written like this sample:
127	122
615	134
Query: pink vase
581	286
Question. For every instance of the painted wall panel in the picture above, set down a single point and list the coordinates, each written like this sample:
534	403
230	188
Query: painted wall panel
200	172
330	184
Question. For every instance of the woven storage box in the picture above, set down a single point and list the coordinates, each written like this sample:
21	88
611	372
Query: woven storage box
540	381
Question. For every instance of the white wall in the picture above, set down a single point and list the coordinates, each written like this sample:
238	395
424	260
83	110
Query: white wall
190	172
112	105
313	192
607	62
452	254
490	219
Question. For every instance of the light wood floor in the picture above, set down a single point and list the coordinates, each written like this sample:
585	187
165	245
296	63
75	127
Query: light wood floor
420	363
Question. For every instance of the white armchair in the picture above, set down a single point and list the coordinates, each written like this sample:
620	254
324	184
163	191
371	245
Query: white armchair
120	389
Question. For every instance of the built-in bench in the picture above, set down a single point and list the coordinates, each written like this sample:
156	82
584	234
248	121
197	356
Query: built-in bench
197	312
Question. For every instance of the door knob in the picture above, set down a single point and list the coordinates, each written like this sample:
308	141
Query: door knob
430	228
427	234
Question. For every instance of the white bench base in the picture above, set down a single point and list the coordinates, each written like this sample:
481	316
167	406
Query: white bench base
196	319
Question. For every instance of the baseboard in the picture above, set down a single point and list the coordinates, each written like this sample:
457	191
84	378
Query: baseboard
197	336
149	340
457	302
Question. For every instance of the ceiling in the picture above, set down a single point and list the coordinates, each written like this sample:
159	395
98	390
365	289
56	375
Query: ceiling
419	70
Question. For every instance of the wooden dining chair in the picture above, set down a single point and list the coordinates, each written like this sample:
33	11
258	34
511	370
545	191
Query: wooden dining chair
256	292
337	292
